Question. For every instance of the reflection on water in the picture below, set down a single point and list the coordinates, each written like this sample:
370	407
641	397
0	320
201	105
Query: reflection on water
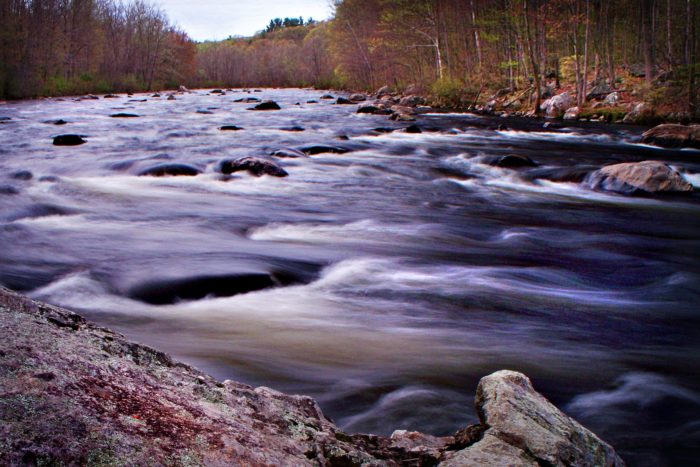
405	269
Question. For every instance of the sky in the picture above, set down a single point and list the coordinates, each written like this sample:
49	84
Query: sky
219	19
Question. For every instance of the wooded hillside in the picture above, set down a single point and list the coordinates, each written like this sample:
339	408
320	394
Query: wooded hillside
458	51
54	47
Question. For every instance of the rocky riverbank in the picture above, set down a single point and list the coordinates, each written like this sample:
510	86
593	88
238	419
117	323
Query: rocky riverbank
73	393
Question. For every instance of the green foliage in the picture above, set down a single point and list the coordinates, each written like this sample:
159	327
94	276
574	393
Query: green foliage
450	92
567	69
608	114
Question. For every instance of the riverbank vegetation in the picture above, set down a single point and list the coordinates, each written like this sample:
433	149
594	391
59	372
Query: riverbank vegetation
510	54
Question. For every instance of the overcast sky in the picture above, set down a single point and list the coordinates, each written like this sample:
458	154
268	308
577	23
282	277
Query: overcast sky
218	19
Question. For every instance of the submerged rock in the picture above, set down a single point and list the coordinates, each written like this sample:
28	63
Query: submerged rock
293	128
254	165
647	177
170	169
673	136
267	105
68	140
124	115
230	128
510	161
321	148
288	152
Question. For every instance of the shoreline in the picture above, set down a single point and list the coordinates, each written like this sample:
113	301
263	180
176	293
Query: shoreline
77	393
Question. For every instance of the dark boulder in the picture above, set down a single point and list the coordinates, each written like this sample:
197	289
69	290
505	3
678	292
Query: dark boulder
138	100
22	175
230	128
294	128
172	98
327	97
266	105
673	136
561	174
169	169
60	121
217	91
91	97
155	95
288	152
372	109
312	102
413	129
8	190
343	101
384	130
111	96
321	149
510	161
5	119
68	140
254	165
632	178
124	115
248	100
204	111
599	92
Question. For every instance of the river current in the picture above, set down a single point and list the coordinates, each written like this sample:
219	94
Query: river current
399	272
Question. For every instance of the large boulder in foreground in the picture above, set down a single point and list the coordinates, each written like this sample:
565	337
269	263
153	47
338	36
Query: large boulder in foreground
525	429
670	135
101	399
647	177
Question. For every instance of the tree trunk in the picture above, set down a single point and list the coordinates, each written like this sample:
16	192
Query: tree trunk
647	39
584	84
533	59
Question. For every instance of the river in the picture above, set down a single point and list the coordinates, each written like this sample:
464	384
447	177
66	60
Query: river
400	272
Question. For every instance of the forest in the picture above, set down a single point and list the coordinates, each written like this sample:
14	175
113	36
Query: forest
458	52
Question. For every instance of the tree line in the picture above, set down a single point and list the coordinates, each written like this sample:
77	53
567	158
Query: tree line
462	50
458	51
54	47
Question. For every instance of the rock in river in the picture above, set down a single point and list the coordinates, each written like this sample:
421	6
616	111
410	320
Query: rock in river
673	136
68	140
523	428
254	165
123	115
230	128
510	161
288	152
266	105
321	148
169	169
343	101
647	177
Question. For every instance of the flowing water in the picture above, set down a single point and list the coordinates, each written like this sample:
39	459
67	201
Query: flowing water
385	281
